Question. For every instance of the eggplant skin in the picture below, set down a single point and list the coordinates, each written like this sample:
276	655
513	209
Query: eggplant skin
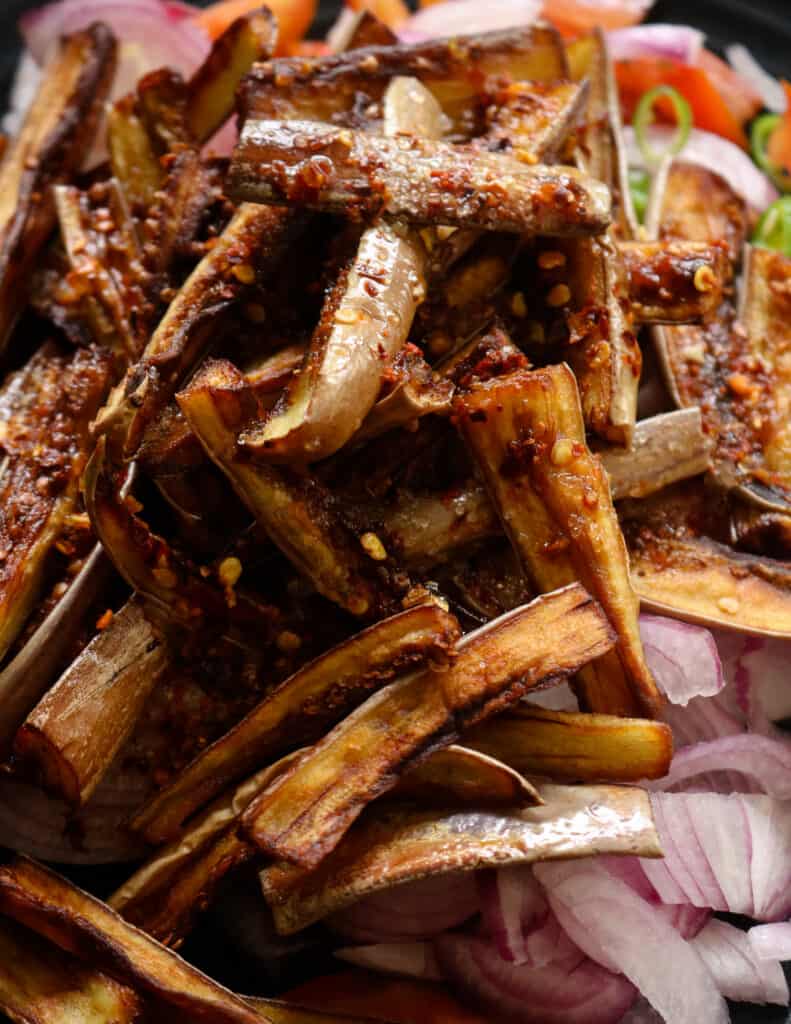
56	136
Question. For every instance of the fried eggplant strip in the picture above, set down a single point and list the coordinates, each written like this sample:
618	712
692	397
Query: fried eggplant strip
568	746
28	676
302	708
421	182
81	924
365	321
455	70
674	281
56	135
305	813
533	119
255	237
73	735
394	843
294	510
176	590
45	442
552	495
41	984
354	30
212	89
134	163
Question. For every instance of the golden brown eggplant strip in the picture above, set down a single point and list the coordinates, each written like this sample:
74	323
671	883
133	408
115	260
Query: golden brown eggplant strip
295	511
552	495
305	813
302	708
45	441
74	733
212	89
568	746
422	182
394	843
40	984
56	135
674	281
533	119
134	163
454	70
460	776
255	237
364	323
150	566
81	924
426	529
361	29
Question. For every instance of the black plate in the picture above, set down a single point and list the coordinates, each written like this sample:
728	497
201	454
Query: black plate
762	25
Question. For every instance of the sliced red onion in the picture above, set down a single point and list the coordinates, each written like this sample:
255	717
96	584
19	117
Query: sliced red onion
716	154
570	990
766	760
616	928
771	941
415	910
683	658
756	668
766	85
152	34
513	905
728	853
407	959
736	969
642	1013
463	17
664	41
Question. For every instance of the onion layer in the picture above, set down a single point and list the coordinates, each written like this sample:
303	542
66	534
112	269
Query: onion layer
682	658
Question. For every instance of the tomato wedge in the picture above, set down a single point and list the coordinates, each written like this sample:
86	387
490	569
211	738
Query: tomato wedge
293	16
573	17
399	1001
778	148
740	96
709	109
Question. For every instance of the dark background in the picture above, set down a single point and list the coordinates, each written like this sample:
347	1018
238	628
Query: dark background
764	26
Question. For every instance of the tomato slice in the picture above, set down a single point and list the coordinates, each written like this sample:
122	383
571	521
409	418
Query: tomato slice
740	96
293	16
392	12
396	1000
778	148
709	109
573	17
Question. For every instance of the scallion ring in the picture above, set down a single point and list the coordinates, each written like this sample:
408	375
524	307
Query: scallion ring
644	117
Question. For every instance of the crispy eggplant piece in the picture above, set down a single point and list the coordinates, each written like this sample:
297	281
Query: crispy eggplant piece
107	275
41	984
695	204
552	495
674	281
417	392
304	815
74	733
679	571
461	776
165	894
57	133
78	923
355	29
567	746
256	236
48	408
665	448
422	182
176	591
294	510
533	119
212	89
133	160
31	672
394	843
348	88
302	708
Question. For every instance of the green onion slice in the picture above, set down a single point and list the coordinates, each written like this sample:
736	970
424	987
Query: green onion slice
644	118
639	186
